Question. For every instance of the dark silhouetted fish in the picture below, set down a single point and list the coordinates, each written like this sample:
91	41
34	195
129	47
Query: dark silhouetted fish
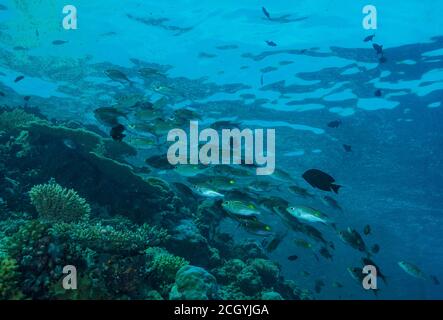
108	115
272	243
377	93
59	42
369	38
19	78
353	238
319	284
375	248
300	191
435	280
271	43
324	252
293	257
367	230
334	124
378	48
26	98
20	48
117	132
367	261
320	180
266	13
332	202
159	162
347	147
117	75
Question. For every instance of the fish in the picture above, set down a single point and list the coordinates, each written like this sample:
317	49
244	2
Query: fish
369	38
321	180
186	114
377	93
271	43
117	75
189	170
20	48
109	115
26	98
337	284
206	192
266	13
331	202
2	94
117	132
240	209
412	270
302	243
368	261
255	226
356	274
231	171
274	241
367	230
184	190
59	42
281	175
334	124
19	78
324	252
305	273
319	284
435	280
353	238
219	183
260	186
306	214
300	191
347	148
70	144
149	72
378	48
375	248
141	142
293	257
159	162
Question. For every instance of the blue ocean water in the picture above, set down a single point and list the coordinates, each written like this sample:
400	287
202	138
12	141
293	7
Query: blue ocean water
214	59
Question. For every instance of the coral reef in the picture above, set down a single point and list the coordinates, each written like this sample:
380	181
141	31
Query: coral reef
194	283
135	238
15	118
9	279
162	268
55	203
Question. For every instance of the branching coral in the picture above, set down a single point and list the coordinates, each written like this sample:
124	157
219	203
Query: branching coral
110	239
163	265
55	203
9	275
15	118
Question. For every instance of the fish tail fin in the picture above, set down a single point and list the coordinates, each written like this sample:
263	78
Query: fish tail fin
335	187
